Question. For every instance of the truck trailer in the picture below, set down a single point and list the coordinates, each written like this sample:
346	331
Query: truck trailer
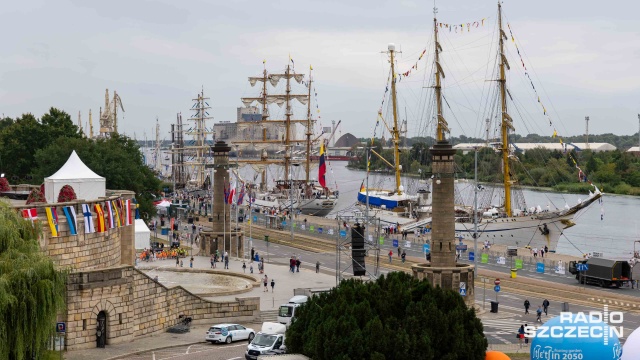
602	272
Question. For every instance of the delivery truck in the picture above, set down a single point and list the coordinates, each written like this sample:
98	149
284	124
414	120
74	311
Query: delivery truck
602	272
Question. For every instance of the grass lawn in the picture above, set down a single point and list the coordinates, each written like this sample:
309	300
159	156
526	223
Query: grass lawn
519	356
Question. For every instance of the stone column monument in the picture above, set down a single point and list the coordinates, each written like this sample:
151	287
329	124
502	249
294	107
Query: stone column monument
223	235
443	270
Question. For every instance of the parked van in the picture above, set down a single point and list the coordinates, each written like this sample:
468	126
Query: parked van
287	312
270	340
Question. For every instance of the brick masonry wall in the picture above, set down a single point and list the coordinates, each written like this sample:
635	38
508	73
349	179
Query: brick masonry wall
137	306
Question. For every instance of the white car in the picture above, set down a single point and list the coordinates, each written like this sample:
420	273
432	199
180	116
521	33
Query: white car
228	333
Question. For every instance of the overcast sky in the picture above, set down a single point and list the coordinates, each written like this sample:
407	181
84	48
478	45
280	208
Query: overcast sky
583	56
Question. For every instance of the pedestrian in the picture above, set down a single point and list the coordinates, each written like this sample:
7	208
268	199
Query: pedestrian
545	304
273	283
226	262
542	252
251	268
539	314
526	306
390	256
253	252
226	256
265	281
546	249
526	339
212	261
181	263
298	262
177	261
404	256
244	267
292	264
399	251
317	266
521	335
535	252
191	262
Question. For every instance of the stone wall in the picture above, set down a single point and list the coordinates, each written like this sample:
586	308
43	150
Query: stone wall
137	306
85	250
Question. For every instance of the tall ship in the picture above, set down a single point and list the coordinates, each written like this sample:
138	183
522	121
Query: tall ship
390	205
512	222
509	221
276	146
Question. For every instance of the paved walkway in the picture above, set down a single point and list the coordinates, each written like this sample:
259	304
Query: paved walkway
277	269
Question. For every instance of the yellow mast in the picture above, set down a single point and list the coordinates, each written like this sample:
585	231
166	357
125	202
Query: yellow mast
442	126
308	164
395	132
507	123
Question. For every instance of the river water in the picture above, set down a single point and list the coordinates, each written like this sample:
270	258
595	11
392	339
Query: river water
610	227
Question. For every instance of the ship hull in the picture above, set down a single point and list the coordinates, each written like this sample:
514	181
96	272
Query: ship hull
316	207
518	231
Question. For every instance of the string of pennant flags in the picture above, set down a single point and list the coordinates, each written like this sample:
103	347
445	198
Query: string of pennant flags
109	214
582	177
460	28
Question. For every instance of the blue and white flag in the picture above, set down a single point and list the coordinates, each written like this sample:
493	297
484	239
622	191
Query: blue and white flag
88	219
70	214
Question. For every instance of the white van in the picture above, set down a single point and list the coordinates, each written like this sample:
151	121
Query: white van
269	340
287	312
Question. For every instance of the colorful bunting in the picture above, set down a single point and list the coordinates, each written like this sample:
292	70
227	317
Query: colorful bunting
70	214
52	218
459	28
100	222
30	214
88	219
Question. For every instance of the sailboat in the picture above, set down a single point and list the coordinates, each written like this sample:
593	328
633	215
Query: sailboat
391	205
304	195
507	224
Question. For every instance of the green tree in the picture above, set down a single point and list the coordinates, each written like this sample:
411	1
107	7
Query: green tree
32	290
395	317
118	159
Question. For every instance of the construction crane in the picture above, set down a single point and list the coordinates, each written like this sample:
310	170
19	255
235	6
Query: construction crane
90	125
80	124
333	133
116	101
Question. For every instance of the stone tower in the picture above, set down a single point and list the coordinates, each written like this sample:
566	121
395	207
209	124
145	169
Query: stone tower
223	236
443	270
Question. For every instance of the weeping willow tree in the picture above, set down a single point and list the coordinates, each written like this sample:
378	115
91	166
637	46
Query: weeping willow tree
32	290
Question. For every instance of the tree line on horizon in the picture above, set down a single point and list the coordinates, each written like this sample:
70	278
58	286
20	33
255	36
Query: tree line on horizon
614	171
32	149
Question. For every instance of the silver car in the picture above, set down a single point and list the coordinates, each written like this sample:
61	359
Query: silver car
228	333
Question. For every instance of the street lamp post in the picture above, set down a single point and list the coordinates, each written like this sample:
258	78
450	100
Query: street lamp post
475	217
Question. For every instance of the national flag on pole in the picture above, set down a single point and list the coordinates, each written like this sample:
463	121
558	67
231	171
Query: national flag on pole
232	193
322	169
101	226
137	208
362	188
116	214
52	218
30	214
111	220
226	193
70	214
241	195
88	219
127	209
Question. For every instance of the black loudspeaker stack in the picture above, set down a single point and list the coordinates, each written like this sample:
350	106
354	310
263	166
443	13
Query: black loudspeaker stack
357	250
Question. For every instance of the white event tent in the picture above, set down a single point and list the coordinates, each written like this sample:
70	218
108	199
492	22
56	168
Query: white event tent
86	184
143	235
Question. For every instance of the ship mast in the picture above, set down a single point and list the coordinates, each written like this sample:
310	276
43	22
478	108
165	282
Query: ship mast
442	126
308	133
265	116
507	123
287	139
395	132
